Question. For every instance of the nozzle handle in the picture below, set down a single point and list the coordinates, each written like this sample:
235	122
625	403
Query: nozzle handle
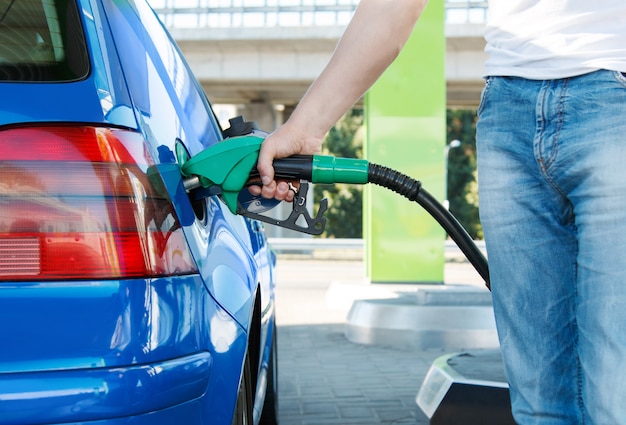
295	167
319	169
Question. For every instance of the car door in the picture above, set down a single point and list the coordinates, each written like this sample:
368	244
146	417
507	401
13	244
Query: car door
175	115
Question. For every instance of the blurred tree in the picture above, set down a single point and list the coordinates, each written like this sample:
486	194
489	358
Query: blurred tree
462	187
345	139
345	202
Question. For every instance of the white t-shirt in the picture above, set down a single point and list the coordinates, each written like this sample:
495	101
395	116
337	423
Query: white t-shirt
548	39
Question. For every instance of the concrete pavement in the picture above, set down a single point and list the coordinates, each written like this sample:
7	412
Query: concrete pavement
326	379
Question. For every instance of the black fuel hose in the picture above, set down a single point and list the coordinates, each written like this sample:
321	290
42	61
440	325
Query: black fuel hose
412	190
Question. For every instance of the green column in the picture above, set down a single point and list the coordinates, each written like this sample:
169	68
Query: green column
405	114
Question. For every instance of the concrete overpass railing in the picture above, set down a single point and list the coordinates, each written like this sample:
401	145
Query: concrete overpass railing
264	13
267	52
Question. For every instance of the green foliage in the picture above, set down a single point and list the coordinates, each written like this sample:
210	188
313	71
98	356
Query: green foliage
345	202
462	182
344	215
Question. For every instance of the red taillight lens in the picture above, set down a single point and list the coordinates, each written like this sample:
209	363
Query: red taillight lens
78	203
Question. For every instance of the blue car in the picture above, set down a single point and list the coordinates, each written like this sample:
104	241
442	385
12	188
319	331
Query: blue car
123	300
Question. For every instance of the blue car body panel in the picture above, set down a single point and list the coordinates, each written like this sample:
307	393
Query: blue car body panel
95	324
136	351
171	109
97	350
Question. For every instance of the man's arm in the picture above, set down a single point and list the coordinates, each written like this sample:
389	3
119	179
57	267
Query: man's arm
371	42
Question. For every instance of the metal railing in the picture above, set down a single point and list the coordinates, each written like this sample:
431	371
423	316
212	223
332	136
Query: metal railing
466	11
309	245
286	13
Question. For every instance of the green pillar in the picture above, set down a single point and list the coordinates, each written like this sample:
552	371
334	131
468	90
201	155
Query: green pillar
405	114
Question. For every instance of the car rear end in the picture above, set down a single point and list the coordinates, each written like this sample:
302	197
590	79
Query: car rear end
103	310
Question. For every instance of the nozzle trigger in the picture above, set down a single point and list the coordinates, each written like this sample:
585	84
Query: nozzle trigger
314	225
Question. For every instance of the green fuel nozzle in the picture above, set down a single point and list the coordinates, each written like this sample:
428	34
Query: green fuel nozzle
321	169
224	167
227	168
230	165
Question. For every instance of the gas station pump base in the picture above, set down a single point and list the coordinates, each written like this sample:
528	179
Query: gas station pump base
466	388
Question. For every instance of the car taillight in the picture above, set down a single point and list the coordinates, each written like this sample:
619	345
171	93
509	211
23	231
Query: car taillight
79	203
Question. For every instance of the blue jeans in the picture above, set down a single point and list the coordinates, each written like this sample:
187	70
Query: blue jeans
552	184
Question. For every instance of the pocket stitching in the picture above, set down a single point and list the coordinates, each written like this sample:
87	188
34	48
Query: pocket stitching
620	77
483	95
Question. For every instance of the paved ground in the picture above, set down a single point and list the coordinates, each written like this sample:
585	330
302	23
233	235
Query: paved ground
326	379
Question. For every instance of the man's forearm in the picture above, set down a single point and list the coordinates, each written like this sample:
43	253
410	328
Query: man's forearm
371	42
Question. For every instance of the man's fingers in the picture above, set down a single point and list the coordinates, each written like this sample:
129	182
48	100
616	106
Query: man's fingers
254	189
269	191
276	190
282	191
265	166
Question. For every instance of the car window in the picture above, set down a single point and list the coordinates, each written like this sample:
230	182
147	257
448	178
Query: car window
41	40
198	118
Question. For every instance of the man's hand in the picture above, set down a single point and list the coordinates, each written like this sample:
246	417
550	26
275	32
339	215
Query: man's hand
281	144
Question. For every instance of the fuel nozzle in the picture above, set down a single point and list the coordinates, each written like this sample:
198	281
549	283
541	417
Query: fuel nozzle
319	169
223	169
227	168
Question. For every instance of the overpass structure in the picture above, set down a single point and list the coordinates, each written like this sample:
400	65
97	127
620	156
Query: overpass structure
263	54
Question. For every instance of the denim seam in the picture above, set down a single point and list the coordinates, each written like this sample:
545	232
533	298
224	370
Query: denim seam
483	96
560	121
579	381
545	164
541	127
579	371
620	77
